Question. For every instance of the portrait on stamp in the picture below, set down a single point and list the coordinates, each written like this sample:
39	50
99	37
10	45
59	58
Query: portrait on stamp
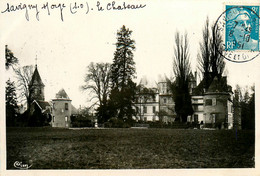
242	28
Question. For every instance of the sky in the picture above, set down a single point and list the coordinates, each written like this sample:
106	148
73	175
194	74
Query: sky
65	48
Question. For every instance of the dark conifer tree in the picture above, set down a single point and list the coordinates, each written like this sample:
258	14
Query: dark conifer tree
10	103
123	72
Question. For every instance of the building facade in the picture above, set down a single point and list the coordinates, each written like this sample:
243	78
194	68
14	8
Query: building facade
154	102
166	103
213	105
62	110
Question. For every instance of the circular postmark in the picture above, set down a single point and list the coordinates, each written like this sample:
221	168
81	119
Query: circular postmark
236	33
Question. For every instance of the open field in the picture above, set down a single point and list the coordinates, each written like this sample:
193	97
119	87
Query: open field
52	148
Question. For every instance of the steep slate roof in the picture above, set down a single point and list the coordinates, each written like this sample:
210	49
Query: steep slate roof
62	94
36	78
43	105
216	84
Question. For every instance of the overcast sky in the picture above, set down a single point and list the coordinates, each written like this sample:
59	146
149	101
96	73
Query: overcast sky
65	48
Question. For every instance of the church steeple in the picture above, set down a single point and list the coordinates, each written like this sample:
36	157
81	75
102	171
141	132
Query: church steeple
36	86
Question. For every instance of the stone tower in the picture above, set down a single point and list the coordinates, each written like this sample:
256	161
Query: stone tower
36	87
62	110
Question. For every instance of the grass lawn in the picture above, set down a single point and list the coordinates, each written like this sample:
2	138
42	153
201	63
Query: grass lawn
53	148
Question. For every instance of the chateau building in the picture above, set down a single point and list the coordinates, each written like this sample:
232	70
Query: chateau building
166	104
213	105
154	102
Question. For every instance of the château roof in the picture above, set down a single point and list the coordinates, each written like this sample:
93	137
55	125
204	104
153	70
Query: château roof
36	78
62	94
215	84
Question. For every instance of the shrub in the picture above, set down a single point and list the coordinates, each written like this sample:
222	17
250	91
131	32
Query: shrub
81	121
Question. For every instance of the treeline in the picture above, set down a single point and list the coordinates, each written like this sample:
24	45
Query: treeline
112	86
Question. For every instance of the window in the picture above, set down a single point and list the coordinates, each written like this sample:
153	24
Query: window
145	109
137	109
153	109
214	102
145	119
164	100
195	100
154	98
213	118
53	118
195	107
208	102
196	118
66	106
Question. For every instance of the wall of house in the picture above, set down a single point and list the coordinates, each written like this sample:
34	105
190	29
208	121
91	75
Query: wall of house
198	107
148	112
230	114
167	105
215	109
61	113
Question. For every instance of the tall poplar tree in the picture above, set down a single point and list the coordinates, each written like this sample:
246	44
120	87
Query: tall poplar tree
211	62
182	70
123	72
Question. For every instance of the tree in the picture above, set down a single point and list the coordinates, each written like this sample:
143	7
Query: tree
10	103
211	62
216	59
10	59
123	71
10	90
251	110
204	54
181	69
24	75
97	81
247	104
84	119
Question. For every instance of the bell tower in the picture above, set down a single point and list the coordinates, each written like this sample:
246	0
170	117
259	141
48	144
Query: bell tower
36	87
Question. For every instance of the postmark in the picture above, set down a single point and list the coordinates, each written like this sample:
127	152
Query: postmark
238	27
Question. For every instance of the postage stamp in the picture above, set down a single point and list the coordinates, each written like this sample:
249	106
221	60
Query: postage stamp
242	28
238	27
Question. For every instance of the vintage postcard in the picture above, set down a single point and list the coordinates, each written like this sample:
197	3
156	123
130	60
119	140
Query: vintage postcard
129	87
